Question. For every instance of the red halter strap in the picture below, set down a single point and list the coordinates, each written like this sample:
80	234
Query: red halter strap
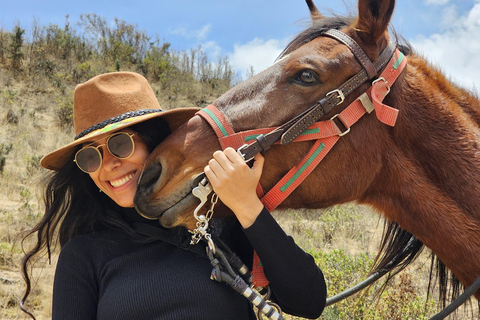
326	133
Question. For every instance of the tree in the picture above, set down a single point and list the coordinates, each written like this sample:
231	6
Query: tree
250	72
15	48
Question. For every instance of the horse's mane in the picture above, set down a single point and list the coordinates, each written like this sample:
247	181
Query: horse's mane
398	248
319	26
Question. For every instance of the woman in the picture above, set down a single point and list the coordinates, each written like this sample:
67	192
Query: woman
109	270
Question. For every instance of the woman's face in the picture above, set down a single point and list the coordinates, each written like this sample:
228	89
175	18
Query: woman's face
117	178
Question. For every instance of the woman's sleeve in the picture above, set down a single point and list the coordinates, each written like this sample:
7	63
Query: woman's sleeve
297	283
74	289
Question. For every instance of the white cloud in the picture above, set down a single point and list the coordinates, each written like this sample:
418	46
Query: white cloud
202	33
212	49
450	16
456	49
438	2
199	34
258	53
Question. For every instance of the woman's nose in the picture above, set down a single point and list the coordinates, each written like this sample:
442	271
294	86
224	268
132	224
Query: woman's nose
109	161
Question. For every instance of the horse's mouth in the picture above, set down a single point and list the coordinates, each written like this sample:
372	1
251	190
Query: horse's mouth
171	211
171	216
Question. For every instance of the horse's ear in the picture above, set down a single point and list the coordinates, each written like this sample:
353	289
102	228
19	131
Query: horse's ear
314	13
373	18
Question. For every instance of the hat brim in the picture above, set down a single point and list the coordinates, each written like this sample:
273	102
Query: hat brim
174	117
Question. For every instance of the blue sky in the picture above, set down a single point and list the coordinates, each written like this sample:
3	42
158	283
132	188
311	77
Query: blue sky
253	32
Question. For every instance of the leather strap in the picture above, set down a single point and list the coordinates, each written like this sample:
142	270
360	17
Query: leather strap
356	49
331	100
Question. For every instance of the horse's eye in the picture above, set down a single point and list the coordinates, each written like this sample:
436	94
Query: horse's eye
306	78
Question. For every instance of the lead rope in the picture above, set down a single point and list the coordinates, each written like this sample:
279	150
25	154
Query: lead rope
227	266
224	272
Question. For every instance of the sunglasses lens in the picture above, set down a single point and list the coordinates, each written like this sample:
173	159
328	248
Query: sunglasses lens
120	145
88	159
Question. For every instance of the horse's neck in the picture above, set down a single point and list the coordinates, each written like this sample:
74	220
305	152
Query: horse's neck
438	130
407	195
430	183
427	85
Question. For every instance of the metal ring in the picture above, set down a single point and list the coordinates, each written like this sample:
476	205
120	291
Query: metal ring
211	245
348	128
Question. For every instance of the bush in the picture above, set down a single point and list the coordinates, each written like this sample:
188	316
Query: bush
4	150
12	117
400	300
64	112
15	49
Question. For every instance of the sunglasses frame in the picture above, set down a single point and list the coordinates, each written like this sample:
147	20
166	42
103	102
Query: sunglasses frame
91	146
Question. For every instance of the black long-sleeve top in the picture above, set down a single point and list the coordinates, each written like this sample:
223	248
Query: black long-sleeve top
108	276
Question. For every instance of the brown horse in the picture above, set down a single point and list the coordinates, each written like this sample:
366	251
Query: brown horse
423	173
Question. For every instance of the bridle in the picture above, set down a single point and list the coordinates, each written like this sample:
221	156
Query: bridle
306	126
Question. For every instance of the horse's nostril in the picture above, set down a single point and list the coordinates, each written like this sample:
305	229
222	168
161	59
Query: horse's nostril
150	177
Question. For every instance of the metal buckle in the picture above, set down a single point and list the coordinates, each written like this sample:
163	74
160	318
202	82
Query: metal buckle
340	95
348	128
386	83
239	151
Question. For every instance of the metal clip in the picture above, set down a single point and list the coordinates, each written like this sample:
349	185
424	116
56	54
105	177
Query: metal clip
201	192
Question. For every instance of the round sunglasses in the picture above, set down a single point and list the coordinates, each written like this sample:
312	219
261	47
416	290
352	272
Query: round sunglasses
120	145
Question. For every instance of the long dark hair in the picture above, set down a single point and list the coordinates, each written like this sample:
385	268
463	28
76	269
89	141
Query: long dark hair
68	215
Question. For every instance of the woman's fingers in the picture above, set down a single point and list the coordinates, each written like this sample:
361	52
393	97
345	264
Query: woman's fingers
257	166
235	183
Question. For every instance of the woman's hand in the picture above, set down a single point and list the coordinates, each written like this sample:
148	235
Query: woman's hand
235	183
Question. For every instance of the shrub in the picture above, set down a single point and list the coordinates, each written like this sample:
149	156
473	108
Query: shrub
4	150
400	300
12	117
15	49
64	112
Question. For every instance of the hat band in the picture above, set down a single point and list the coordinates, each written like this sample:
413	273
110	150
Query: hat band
119	118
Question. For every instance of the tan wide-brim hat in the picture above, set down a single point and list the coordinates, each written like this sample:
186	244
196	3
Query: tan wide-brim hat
109	102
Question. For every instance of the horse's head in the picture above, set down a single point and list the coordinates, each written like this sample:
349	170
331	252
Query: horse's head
310	67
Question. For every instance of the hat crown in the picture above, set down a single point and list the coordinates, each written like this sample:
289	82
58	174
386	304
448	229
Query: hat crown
110	95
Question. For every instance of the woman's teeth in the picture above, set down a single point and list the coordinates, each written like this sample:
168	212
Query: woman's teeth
120	182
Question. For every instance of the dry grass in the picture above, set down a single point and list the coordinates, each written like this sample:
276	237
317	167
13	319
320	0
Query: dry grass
355	232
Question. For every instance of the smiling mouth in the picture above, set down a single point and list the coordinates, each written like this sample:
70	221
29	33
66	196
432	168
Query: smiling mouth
120	182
